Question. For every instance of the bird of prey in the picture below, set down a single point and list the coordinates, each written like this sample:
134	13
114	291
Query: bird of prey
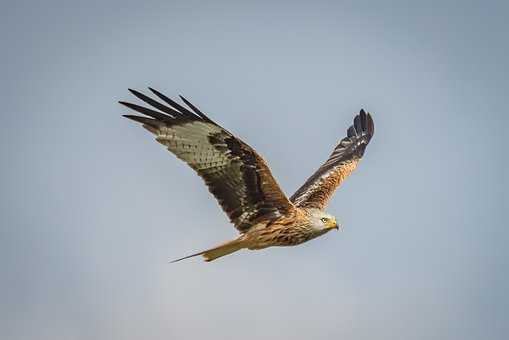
241	180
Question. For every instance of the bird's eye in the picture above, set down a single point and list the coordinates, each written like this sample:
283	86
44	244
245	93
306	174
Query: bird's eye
324	219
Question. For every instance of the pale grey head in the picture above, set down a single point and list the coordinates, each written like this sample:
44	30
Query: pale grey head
322	222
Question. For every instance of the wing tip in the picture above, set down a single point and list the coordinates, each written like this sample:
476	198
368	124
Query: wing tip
371	125
196	115
173	111
140	119
365	122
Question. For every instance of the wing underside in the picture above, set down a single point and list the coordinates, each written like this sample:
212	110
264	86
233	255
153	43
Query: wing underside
318	189
235	174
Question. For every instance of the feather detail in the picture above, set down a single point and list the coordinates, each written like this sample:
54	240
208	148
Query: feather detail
235	174
318	189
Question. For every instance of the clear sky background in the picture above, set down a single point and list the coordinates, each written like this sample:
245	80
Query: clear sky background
92	208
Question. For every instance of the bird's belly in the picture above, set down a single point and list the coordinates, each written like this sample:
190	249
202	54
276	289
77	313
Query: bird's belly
278	236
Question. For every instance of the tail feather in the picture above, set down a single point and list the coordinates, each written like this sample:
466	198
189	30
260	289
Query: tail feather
216	252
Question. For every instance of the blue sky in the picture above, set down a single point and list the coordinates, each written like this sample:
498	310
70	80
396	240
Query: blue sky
93	208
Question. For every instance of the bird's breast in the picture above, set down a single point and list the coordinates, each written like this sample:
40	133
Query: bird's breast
279	235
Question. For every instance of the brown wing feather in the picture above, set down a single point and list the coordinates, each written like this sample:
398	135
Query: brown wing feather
318	189
236	175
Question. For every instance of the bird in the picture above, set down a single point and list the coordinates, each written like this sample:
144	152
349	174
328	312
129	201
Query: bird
240	179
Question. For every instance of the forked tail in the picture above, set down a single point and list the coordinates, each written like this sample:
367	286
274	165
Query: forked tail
216	252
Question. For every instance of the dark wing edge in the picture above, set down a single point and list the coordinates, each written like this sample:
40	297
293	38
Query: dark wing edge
235	174
318	189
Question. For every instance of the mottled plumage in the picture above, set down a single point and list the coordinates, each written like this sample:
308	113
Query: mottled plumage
318	189
241	181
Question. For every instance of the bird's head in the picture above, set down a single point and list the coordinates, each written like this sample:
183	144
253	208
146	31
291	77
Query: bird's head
321	221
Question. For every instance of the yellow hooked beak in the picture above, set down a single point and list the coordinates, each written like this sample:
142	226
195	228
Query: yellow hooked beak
332	224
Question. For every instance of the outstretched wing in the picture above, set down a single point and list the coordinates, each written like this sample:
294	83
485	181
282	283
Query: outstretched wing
318	189
235	174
